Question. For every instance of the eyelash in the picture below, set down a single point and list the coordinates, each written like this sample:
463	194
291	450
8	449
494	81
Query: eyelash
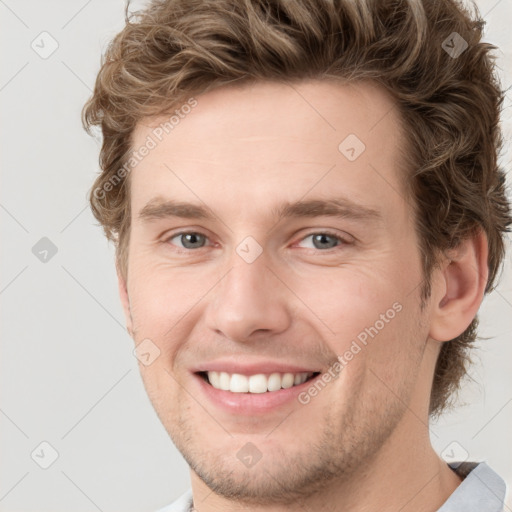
343	242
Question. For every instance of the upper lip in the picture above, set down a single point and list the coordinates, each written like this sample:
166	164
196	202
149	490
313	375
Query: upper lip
251	367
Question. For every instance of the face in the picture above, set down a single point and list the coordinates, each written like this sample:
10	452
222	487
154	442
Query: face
271	243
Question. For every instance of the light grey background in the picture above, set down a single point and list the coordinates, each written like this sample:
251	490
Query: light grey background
68	376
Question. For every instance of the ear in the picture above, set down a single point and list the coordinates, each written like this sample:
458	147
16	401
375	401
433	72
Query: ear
125	300
460	288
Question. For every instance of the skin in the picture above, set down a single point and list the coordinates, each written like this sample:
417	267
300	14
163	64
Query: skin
363	442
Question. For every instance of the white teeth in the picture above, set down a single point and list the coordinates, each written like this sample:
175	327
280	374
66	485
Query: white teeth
274	382
259	383
224	381
239	383
287	381
214	379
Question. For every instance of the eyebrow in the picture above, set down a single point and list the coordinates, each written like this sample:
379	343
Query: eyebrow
160	208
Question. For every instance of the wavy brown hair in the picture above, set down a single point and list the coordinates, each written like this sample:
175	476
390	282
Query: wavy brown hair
449	104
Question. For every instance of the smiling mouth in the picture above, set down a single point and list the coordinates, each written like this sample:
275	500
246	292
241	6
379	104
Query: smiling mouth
258	383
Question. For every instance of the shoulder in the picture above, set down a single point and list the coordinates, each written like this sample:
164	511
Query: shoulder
482	489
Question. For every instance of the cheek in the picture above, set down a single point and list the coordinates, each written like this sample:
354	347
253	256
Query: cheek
161	295
348	301
166	305
369	316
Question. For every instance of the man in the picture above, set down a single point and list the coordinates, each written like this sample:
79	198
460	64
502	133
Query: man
307	217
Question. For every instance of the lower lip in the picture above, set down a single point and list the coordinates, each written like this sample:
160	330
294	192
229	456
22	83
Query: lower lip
252	403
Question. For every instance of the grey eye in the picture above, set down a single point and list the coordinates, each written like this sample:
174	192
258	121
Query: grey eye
190	240
322	241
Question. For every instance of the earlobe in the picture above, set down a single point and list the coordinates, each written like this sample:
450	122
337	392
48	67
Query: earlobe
460	288
125	300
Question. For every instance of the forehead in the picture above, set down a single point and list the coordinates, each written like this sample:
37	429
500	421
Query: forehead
253	143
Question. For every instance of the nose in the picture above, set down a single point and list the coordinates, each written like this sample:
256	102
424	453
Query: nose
249	303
